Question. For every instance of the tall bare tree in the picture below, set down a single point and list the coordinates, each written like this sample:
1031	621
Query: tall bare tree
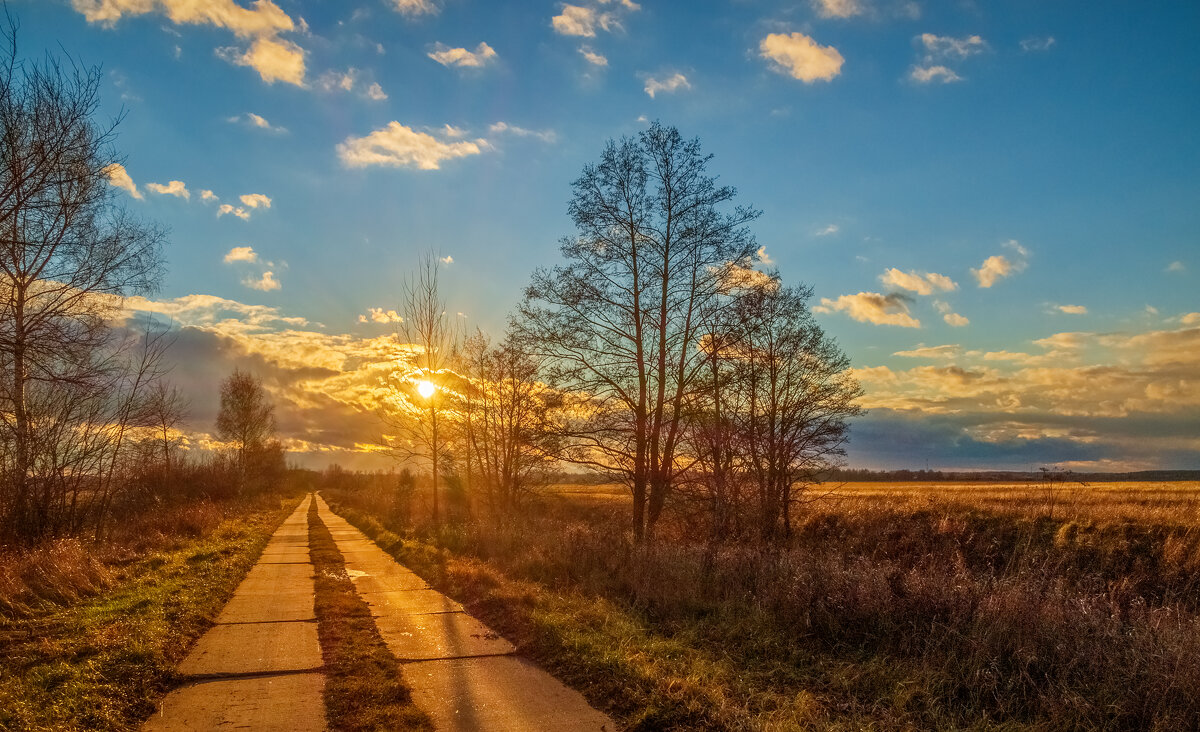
68	253
424	389
507	423
619	323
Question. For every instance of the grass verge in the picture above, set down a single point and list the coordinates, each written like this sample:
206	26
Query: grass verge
364	687
102	662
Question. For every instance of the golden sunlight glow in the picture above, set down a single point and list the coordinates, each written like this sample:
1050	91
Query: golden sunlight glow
425	389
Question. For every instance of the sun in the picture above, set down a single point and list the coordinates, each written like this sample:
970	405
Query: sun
425	389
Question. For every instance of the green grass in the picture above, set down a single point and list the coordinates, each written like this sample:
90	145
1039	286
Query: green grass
364	683
102	663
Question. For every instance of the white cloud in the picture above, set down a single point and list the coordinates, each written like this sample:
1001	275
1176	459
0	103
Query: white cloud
375	92
956	320
580	20
258	122
264	18
225	208
503	127
461	57
838	8
403	147
337	80
1176	266
446	259
939	50
1072	309
265	283
1037	44
207	195
950	47
929	74
379	315
592	57
241	254
414	8
800	57
668	84
254	200
997	267
922	283
827	230
173	188
763	256
275	59
119	177
872	307
1190	319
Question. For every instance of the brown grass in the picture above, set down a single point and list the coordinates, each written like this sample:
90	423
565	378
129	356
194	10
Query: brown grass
364	686
92	633
894	607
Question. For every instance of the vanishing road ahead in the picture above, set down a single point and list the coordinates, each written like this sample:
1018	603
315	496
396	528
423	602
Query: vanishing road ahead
260	666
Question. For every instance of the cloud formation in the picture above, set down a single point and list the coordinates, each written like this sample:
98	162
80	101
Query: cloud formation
950	317
274	58
461	57
668	84
265	283
241	254
998	266
119	177
379	315
922	283
938	51
583	20
497	128
1072	309
800	57
255	200
593	58
173	188
415	8
238	211
258	122
399	146
872	307
838	8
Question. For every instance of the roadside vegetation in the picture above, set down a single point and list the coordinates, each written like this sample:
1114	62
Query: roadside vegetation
364	683
890	610
92	632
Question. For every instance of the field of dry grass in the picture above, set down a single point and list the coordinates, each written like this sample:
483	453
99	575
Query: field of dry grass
936	606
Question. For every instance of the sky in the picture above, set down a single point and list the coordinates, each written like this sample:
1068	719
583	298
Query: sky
997	204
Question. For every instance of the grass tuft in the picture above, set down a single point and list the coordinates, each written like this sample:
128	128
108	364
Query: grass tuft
364	686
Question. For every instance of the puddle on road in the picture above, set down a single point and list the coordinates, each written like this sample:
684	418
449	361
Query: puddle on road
355	573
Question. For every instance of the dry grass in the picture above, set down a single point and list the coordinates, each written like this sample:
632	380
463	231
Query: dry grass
364	684
894	607
92	633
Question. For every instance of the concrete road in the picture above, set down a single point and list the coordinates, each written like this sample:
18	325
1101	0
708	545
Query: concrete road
461	673
259	667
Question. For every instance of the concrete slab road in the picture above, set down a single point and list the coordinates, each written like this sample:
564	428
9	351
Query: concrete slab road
258	668
461	673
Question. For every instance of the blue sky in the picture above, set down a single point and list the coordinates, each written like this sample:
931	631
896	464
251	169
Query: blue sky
998	205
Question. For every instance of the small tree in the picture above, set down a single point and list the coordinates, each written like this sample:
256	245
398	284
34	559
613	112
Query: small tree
247	419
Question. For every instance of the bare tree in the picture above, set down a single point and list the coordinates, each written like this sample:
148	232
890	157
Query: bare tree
425	388
619	323
246	418
507	421
68	253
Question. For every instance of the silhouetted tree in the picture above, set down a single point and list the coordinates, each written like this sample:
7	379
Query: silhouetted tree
619	323
68	254
246	419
